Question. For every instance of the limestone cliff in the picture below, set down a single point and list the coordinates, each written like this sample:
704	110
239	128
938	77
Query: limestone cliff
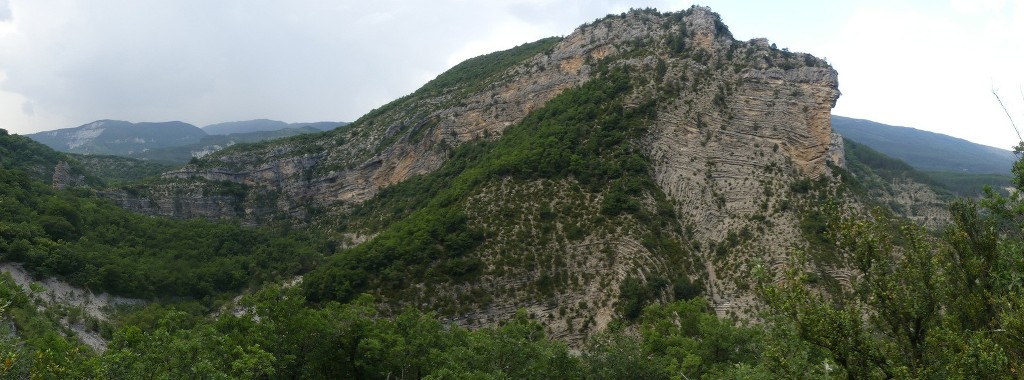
63	178
740	130
413	135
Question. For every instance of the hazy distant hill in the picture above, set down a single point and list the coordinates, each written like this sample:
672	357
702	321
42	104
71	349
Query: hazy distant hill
213	143
174	142
119	137
263	125
244	126
927	151
321	125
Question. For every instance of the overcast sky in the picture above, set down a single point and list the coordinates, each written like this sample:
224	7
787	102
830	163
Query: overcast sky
928	64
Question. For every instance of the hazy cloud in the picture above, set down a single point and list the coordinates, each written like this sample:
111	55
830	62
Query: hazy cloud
66	62
931	68
5	11
206	62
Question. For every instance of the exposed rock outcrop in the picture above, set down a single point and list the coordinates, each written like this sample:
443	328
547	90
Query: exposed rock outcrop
738	124
836	151
747	120
414	135
63	177
54	293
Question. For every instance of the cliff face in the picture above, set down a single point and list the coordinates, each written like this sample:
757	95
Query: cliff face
740	131
63	177
414	135
747	120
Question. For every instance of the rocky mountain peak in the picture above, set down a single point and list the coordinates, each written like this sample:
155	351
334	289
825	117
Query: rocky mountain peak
413	135
706	28
732	125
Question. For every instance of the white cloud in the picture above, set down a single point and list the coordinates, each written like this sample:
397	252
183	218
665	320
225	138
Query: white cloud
929	65
5	11
28	108
976	6
929	68
206	62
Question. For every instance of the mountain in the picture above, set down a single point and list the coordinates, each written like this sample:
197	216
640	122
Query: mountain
644	198
321	125
170	142
212	143
264	125
927	151
645	156
255	125
119	137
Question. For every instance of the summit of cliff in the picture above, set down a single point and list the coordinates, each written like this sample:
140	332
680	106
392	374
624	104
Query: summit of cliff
712	79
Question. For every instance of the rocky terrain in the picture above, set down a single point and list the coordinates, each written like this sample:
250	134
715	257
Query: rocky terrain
740	137
54	293
168	142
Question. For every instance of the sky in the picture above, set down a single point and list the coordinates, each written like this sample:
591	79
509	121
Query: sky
929	64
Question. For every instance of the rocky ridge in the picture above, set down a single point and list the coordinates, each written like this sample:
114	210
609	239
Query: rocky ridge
741	130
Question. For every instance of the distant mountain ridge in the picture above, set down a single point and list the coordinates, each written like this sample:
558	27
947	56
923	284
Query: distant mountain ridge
926	151
119	137
213	143
265	125
173	141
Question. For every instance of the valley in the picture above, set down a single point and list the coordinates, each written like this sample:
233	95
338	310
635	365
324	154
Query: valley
645	197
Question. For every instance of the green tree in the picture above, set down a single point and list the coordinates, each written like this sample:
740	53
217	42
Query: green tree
916	306
181	349
518	349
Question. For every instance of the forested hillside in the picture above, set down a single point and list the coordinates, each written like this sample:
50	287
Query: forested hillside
644	198
927	151
962	167
291	338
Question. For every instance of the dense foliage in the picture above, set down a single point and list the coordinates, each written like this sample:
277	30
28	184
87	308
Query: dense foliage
916	306
86	239
905	304
279	336
972	185
33	158
861	160
114	170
